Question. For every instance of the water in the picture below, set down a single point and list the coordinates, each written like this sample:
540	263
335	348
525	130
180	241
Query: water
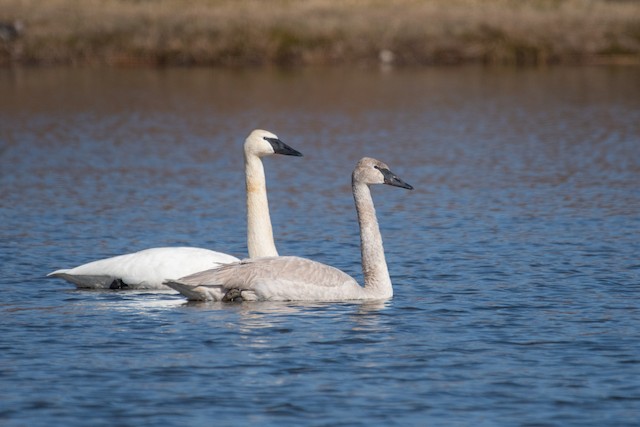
515	261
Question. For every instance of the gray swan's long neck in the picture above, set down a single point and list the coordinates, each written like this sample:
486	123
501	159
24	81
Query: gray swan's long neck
377	282
259	232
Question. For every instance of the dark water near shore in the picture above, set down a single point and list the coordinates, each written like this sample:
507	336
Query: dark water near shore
515	262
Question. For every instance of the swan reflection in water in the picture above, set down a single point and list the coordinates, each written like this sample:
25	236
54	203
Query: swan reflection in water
251	316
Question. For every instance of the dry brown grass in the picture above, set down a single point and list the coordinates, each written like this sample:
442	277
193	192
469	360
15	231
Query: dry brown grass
260	32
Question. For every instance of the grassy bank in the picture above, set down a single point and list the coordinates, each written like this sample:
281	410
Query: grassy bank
285	32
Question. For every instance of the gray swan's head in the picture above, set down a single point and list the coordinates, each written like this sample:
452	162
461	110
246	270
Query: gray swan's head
371	171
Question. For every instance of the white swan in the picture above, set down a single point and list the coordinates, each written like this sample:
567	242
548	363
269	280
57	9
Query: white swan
298	279
149	268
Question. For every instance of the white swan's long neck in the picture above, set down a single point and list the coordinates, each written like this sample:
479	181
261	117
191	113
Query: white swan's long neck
259	232
377	282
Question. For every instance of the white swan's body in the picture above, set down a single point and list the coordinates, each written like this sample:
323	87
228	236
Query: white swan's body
148	269
300	279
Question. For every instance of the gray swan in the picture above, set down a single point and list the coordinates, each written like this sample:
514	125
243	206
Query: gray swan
290	278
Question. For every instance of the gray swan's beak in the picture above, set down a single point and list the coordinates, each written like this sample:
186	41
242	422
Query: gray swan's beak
280	147
390	178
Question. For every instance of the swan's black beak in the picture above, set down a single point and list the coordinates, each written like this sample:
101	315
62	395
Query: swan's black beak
390	178
280	147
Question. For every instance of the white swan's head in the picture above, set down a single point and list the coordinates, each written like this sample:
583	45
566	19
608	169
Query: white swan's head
372	171
264	143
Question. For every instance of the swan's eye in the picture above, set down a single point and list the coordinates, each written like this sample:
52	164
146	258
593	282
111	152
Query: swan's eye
377	167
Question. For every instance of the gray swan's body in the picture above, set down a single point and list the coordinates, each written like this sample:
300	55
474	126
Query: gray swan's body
149	268
298	279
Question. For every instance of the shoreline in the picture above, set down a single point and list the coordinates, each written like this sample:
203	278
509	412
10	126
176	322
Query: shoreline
243	33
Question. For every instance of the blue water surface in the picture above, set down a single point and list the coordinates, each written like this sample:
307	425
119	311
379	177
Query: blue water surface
515	261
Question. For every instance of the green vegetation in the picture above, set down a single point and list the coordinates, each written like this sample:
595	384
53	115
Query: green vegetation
292	32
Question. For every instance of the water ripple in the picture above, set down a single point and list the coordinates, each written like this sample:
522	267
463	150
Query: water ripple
514	262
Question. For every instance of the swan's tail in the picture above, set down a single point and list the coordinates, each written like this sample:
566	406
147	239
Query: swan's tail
196	292
58	273
87	281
